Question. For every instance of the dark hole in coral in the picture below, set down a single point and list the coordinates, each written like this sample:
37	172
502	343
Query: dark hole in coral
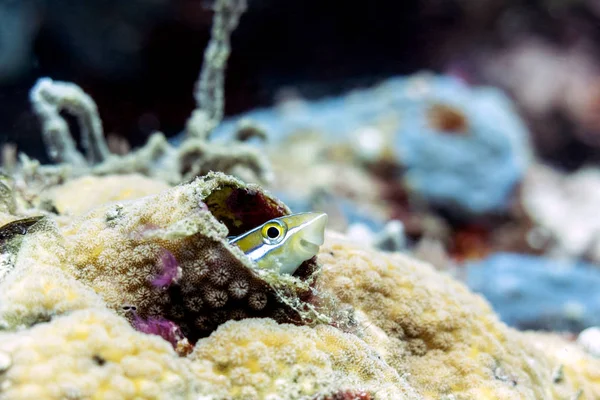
196	324
243	209
129	308
446	118
272	232
99	360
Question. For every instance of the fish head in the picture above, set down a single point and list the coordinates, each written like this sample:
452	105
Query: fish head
284	243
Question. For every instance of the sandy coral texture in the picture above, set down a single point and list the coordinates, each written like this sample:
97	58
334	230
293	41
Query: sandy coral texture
406	330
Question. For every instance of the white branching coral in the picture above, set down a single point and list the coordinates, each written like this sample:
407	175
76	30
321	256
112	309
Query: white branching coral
48	99
209	93
194	157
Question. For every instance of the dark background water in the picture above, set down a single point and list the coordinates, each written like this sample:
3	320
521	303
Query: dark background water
139	59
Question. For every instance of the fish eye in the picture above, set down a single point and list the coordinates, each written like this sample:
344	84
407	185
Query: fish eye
273	232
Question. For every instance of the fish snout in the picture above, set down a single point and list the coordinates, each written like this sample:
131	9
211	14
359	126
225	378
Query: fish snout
313	235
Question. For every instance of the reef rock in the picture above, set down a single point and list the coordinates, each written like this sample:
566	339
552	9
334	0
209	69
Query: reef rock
566	207
534	292
443	338
363	325
454	145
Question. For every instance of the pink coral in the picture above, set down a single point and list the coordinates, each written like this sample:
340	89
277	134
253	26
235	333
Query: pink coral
171	271
162	327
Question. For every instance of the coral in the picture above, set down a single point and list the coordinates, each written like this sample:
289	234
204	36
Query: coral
575	374
7	197
198	156
160	327
79	195
91	354
565	206
564	297
339	187
474	164
209	92
157	158
261	359
459	146
446	340
391	237
170	272
167	256
397	329
48	99
34	288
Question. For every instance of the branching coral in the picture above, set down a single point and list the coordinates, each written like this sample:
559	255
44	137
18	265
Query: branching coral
209	92
196	156
48	99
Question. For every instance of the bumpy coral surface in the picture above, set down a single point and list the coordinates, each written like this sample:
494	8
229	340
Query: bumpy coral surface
93	191
167	256
264	360
445	338
395	328
91	354
33	286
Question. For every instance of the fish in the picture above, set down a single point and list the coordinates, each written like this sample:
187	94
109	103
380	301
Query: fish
283	243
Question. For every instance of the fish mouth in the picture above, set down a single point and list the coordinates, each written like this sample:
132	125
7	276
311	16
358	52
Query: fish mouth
308	247
313	234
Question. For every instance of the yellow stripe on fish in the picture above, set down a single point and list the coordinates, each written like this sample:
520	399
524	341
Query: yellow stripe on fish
282	244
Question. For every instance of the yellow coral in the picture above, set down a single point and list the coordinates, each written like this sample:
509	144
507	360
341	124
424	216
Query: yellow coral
446	338
82	194
415	333
260	359
36	288
91	354
115	248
